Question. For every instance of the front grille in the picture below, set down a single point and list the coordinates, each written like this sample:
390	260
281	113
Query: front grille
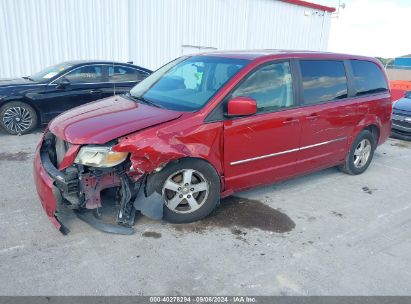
403	124
401	120
401	112
397	116
399	132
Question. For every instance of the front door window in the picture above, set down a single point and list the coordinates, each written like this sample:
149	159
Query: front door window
270	86
86	74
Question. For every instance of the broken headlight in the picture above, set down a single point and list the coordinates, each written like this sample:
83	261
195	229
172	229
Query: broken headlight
99	156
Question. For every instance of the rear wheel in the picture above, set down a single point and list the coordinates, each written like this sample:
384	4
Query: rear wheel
190	189
18	118
360	154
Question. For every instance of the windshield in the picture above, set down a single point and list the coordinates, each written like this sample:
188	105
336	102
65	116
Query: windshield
50	72
187	84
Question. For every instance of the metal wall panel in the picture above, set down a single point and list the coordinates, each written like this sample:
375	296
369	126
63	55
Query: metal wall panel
38	33
159	29
275	24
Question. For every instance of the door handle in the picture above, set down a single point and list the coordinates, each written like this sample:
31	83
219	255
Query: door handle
313	116
290	121
95	91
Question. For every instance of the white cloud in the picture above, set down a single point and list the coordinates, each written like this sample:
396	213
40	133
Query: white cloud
372	28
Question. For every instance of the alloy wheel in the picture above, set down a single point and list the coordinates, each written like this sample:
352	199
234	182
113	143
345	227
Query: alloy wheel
185	191
362	153
17	119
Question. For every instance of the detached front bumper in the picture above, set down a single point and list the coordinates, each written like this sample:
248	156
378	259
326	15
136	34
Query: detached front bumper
48	192
79	188
52	183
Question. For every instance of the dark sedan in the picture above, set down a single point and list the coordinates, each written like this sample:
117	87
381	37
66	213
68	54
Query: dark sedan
28	101
401	118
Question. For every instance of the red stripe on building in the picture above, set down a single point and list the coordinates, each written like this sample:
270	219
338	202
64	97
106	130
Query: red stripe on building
311	5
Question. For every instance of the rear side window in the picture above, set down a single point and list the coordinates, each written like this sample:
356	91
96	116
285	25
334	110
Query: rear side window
368	78
122	74
323	80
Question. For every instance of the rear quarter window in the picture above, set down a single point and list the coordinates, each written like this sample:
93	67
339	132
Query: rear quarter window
123	74
323	80
368	78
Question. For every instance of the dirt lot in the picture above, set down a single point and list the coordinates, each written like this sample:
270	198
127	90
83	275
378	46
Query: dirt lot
323	234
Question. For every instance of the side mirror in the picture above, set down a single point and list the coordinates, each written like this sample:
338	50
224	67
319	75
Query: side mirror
241	106
63	83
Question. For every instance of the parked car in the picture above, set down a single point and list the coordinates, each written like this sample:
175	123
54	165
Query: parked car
203	127
28	101
401	117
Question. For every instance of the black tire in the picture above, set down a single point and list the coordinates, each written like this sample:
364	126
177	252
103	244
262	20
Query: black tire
28	121
211	200
349	166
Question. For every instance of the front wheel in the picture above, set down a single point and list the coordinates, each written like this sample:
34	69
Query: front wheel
360	155
18	118
190	189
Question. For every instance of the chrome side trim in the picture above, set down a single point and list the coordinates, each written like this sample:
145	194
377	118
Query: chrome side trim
105	82
262	157
286	151
23	85
323	143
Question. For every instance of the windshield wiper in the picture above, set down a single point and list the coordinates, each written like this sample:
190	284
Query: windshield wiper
28	77
143	100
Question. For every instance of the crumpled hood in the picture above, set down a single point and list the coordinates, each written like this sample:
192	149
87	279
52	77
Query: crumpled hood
104	120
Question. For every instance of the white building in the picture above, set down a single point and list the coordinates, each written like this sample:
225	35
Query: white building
38	33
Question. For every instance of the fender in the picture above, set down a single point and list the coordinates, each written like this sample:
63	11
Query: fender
152	149
368	120
27	96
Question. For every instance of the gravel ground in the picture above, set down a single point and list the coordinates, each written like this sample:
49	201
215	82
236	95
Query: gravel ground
326	233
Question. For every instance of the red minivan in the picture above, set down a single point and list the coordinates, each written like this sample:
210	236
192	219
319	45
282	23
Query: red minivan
205	126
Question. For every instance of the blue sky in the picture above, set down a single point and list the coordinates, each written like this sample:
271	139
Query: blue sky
371	27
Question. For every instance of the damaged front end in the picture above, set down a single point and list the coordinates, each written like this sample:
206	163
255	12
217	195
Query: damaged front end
79	175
